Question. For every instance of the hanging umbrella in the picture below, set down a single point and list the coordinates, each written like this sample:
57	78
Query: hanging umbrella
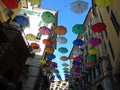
79	6
43	61
58	76
51	56
78	42
49	50
95	41
65	69
48	42
88	68
12	4
60	30
47	68
64	58
76	63
65	64
103	3
78	29
92	51
55	70
77	52
98	27
63	50
54	66
48	17
77	69
22	20
34	45
53	63
77	58
30	37
44	30
34	2
61	40
89	64
90	58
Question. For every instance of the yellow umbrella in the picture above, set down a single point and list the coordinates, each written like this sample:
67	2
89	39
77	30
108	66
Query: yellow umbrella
92	51
43	61
103	3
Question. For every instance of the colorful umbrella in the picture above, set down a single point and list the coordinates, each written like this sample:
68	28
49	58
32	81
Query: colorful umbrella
103	3
43	61
92	51
49	50
77	69
47	68
51	56
44	30
79	6
78	29
95	41
34	45
47	42
77	52
12	4
78	42
77	58
88	68
60	30
76	63
65	65
64	58
98	27
61	40
30	37
89	64
22	20
63	50
48	17
53	63
90	58
34	2
65	69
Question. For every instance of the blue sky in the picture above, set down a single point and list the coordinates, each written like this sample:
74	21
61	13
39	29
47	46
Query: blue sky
67	18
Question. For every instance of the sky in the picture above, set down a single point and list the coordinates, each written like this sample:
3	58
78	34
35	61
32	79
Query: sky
66	18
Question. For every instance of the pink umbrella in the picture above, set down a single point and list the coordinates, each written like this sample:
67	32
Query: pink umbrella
44	30
95	41
77	58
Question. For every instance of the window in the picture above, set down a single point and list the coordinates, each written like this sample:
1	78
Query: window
115	23
97	71
111	50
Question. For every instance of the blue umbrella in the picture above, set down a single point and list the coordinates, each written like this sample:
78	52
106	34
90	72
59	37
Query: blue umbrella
76	63
51	56
58	76
22	20
78	42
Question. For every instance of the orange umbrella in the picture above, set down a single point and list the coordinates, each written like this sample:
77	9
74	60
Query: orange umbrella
89	63
49	50
46	68
60	30
47	42
64	58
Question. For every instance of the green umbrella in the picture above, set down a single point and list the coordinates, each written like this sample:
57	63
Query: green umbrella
90	58
35	2
63	50
78	29
48	17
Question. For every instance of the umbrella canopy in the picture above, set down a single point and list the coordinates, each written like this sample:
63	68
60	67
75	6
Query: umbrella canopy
77	69
79	6
34	45
103	3
78	29
77	52
92	51
65	69
48	42
98	27
65	64
34	2
13	4
76	63
47	68
88	68
51	56
49	50
43	61
63	50
48	17
78	42
89	64
22	20
61	40
77	58
90	58
95	41
60	30
30	37
53	63
44	30
64	58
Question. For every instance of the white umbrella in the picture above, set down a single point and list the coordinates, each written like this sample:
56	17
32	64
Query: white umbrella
61	40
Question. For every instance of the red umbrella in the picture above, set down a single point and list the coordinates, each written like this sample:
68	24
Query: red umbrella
95	41
77	69
47	42
53	63
64	58
11	3
44	30
34	46
98	27
60	30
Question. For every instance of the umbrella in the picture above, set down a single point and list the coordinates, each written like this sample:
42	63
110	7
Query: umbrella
51	56
34	45
63	50
64	58
61	40
12	4
76	63
53	63
90	58
78	29
95	41
77	52
79	6
77	58
58	76
48	42
89	64
60	30
48	17
43	61
34	2
55	70
49	50
44	30
103	3
65	69
88	68
77	69
98	27
78	42
92	51
22	20
46	68
65	64
30	37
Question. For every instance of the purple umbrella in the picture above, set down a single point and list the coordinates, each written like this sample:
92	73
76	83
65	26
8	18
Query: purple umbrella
88	68
77	58
95	41
44	30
